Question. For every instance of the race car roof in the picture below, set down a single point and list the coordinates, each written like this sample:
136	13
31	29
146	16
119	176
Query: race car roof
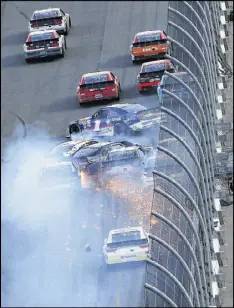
148	32
126	230
128	107
155	62
46	10
56	164
41	32
95	73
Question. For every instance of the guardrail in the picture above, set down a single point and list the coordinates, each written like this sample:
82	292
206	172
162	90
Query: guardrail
185	261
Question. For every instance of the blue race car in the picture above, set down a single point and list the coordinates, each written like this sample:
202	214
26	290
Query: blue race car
118	119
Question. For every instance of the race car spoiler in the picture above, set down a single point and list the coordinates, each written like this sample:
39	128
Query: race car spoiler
45	20
149	43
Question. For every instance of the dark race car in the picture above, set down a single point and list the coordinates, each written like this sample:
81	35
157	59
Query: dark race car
152	72
98	162
98	86
119	119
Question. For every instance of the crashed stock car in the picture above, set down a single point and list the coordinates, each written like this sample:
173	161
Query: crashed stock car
119	119
43	44
126	245
63	152
50	19
96	163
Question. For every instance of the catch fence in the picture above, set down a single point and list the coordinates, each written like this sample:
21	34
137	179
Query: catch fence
184	265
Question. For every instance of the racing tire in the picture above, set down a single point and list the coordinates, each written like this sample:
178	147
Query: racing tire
65	43
63	53
118	97
119	129
134	61
70	22
120	89
65	31
141	92
74	129
28	61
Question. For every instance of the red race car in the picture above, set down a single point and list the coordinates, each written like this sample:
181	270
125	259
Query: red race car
98	86
152	72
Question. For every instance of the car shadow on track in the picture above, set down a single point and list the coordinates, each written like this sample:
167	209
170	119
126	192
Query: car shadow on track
116	62
18	60
15	60
17	38
61	104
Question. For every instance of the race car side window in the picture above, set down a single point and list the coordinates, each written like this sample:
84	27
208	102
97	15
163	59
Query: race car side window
101	114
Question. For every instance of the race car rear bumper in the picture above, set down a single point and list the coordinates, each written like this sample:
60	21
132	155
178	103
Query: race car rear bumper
42	53
156	56
89	99
146	85
116	260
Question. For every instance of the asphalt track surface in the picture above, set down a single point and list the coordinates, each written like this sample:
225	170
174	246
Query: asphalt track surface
35	258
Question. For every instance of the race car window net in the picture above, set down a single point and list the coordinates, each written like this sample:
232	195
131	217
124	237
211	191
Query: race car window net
45	15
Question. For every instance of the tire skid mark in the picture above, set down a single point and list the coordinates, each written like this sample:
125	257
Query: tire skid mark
24	134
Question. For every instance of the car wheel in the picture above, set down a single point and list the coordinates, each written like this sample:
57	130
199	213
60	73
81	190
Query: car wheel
74	129
134	61
28	60
120	89
63	52
118	97
119	129
65	31
141	92
69	22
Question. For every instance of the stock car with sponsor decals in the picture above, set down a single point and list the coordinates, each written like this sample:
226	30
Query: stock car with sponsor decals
42	44
50	19
98	86
152	72
126	245
118	119
95	163
150	45
57	176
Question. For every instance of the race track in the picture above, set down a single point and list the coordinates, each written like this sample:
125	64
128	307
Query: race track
35	259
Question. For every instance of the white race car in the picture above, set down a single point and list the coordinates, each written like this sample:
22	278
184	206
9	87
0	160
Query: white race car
50	19
126	245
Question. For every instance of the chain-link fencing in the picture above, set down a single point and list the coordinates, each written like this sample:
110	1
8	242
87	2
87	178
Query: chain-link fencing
183	269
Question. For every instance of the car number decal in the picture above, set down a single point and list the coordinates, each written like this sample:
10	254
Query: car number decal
97	126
